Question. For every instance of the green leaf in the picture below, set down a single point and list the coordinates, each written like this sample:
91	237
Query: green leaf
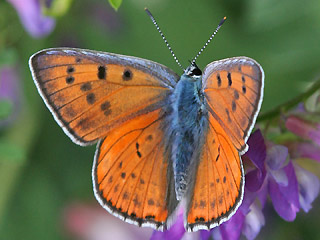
115	4
312	103
6	107
57	8
283	138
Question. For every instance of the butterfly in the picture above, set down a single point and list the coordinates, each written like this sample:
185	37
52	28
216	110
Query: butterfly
162	139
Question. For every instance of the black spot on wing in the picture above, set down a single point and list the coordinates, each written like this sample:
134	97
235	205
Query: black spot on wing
69	79
218	80
85	87
127	75
236	94
70	69
244	89
150	202
104	106
91	98
229	79
234	106
102	72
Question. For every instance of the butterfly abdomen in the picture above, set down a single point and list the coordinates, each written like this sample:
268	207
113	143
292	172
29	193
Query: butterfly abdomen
189	125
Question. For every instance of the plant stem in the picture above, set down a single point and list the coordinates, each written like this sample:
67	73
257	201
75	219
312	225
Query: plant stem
290	104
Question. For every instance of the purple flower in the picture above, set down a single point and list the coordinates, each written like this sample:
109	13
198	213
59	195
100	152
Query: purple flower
257	155
280	182
176	231
309	187
288	185
304	128
10	91
278	175
254	221
248	220
283	190
36	24
232	229
305	150
307	127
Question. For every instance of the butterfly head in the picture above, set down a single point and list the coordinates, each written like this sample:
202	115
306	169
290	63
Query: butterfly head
193	71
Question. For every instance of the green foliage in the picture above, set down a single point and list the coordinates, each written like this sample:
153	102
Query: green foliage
115	4
10	152
5	109
8	56
57	8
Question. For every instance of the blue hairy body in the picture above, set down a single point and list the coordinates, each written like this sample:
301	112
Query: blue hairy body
188	125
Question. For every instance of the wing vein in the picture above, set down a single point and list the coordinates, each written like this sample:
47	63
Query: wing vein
92	106
116	160
64	76
139	162
119	117
217	90
228	163
225	140
139	178
208	188
234	180
68	64
221	121
224	100
139	129
153	164
123	85
214	177
246	75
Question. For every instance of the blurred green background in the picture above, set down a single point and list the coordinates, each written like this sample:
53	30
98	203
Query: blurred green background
42	171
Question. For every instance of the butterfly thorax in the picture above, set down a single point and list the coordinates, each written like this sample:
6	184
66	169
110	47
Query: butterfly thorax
189	125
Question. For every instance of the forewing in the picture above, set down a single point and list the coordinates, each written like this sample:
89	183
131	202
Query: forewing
219	181
90	93
233	89
132	177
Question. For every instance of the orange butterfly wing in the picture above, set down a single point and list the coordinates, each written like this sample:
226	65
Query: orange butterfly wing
90	93
219	181
233	89
118	100
132	175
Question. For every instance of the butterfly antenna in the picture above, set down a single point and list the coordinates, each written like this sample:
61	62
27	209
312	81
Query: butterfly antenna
164	38
209	40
